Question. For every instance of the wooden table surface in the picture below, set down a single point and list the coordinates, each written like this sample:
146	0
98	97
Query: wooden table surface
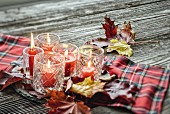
77	21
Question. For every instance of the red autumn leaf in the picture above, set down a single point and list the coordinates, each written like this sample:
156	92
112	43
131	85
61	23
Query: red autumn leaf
110	28
121	92
59	103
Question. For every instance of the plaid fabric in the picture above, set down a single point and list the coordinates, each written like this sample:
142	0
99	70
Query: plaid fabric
152	81
11	48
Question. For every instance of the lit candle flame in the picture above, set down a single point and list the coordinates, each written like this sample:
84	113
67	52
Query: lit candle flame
89	64
66	54
48	63
32	41
48	38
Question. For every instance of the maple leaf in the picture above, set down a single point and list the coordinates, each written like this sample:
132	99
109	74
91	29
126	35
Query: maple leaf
59	103
126	33
121	91
88	87
121	47
110	28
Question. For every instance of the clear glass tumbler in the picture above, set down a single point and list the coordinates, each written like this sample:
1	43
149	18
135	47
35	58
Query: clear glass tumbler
90	62
71	57
28	60
47	41
48	72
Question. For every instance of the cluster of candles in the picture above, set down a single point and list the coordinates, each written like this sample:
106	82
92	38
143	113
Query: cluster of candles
71	61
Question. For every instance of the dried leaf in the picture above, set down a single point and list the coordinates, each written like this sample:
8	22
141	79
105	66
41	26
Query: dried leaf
121	91
126	33
59	103
110	28
7	79
121	47
11	81
88	87
69	84
101	42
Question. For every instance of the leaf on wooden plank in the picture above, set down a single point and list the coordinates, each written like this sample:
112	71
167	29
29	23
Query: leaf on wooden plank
59	103
88	87
121	47
110	28
126	33
101	42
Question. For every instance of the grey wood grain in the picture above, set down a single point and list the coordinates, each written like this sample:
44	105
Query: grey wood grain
77	21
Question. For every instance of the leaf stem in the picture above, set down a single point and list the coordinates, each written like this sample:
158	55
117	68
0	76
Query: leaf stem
143	42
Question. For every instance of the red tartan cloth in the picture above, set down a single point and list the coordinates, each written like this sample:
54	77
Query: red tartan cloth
152	81
11	48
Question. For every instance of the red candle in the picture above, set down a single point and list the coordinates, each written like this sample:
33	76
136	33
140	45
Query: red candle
88	71
70	63
47	47
48	76
32	52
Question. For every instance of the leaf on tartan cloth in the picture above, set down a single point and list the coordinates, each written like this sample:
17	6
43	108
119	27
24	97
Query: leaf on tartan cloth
88	87
59	103
110	28
121	47
121	91
7	79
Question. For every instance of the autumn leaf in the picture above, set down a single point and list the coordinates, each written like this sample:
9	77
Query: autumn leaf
121	47
7	79
110	28
59	103
88	87
11	81
101	42
121	91
126	33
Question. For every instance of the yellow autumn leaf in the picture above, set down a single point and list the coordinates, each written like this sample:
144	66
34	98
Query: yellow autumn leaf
88	87
121	47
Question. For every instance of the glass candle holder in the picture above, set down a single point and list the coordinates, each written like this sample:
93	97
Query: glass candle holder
28	60
48	72
47	41
90	62
70	57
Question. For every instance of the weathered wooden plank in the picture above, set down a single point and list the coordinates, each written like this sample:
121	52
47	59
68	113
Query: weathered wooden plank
77	21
